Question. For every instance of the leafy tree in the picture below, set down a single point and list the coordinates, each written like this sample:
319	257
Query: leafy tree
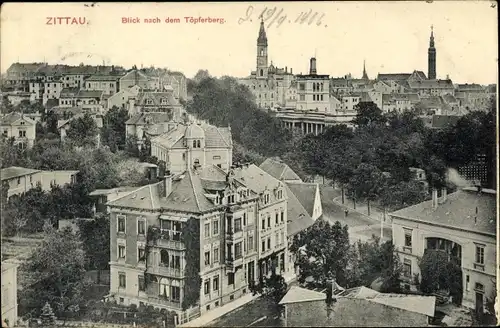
114	128
83	131
47	316
201	75
59	267
367	114
367	182
95	238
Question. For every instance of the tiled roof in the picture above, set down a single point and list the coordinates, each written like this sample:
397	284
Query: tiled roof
15	171
171	138
99	192
68	92
51	103
298	294
149	118
472	86
25	67
457	212
393	76
62	110
279	170
103	78
298	218
305	193
214	137
431	84
255	178
11	118
449	98
89	94
442	121
156	98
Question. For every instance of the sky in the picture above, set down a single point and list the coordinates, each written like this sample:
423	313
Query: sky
392	37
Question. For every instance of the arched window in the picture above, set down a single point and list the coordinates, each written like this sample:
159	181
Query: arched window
261	72
198	143
196	162
164	287
262	52
194	143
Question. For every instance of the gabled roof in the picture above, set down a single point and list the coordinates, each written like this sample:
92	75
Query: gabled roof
89	94
450	98
305	193
279	170
431	84
156	98
393	76
99	192
298	294
68	92
255	178
149	118
457	212
24	67
103	78
214	137
12	118
298	218
15	172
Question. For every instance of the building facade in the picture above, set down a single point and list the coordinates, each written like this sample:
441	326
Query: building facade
462	224
19	127
9	294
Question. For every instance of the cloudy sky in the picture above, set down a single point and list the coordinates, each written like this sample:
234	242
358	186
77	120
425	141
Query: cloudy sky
391	36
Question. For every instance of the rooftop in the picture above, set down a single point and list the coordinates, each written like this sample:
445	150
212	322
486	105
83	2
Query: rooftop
11	118
298	218
305	193
298	294
279	170
15	172
464	209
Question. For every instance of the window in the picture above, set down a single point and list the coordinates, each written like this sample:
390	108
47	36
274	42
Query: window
207	258
237	250
141	254
121	223
22	134
230	278
237	225
268	242
215	225
479	287
277	238
22	123
407	268
121	251
263	224
282	216
122	280
408	234
263	246
149	102
269	221
18	181
207	230
194	143
183	156
198	144
302	97
215	283
280	194
480	254
216	254
266	199
250	243
207	286
302	86
467	280
276	218
216	157
163	101
142	285
141	227
244	219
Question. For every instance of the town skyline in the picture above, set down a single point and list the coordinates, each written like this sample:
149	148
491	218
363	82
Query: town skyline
461	38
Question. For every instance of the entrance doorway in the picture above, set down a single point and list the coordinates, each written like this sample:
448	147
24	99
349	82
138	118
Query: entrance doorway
251	271
479	303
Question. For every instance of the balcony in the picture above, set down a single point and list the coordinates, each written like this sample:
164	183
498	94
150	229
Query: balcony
234	235
162	300
233	263
165	271
169	239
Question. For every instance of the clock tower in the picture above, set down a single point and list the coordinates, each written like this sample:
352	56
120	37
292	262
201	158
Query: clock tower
262	67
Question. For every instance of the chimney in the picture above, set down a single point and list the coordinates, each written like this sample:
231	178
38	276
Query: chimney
291	70
166	185
444	192
434	198
312	69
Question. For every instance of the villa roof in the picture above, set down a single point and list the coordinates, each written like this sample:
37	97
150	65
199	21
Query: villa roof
463	209
298	218
298	294
305	193
279	170
12	118
15	172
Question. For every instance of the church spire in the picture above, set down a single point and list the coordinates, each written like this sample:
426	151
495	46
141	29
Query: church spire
262	40
431	57
365	75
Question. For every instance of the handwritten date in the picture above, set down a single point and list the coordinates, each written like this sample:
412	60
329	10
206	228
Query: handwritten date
275	16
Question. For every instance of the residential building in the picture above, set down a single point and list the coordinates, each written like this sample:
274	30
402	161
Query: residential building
121	98
199	226
9	294
140	124
350	101
20	127
309	197
191	145
20	179
91	101
154	101
279	170
51	90
19	74
304	307
16	97
68	97
108	84
472	96
102	196
64	124
136	78
462	224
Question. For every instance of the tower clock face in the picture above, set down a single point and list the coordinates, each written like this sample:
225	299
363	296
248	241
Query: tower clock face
261	61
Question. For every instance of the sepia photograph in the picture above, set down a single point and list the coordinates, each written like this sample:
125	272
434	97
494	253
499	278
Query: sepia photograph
249	164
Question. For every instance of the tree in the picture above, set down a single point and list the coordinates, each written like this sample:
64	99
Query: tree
114	128
201	75
58	266
47	317
367	114
95	238
367	182
83	131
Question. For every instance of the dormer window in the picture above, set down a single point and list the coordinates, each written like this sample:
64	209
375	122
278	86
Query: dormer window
280	194
266	199
22	122
149	102
163	101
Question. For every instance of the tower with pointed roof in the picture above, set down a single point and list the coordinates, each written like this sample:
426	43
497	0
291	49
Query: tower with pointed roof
365	75
431	54
262	68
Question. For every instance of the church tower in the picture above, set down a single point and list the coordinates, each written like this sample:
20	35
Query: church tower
431	73
262	67
365	75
